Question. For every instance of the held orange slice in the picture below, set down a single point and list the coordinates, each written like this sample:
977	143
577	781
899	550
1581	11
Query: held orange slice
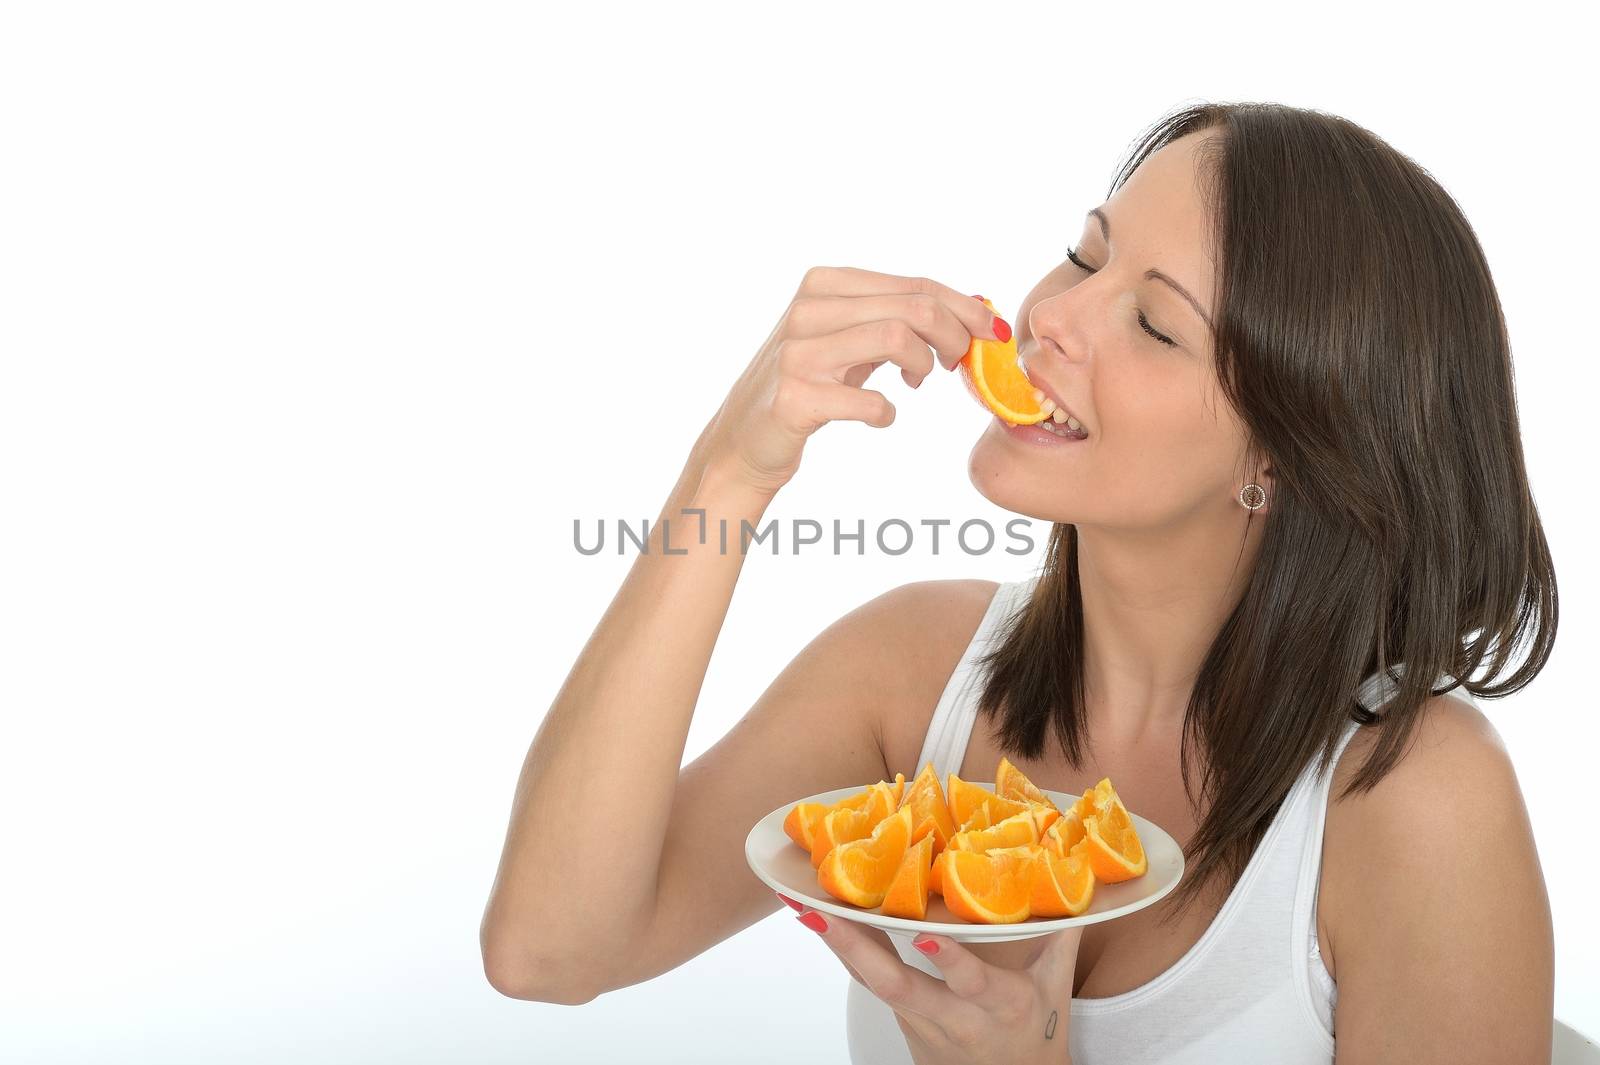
908	890
859	871
991	373
988	888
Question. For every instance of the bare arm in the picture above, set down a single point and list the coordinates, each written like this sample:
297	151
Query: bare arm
565	904
1442	937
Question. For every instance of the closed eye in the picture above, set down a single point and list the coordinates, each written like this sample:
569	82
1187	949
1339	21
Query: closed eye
1072	256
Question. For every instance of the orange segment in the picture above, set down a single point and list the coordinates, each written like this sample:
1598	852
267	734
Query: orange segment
991	373
836	827
1113	846
1012	832
908	890
1061	887
988	888
966	798
1012	783
859	871
929	811
801	821
1063	834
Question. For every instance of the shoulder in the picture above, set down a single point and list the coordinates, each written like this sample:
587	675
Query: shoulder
1440	846
919	630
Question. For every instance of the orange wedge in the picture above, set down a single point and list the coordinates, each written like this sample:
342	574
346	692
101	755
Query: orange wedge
800	823
1063	834
1061	887
859	871
988	888
929	811
908	890
836	827
1012	783
992	375
1012	832
965	798
1113	846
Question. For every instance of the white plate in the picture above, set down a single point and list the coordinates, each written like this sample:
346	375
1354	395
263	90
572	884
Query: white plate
784	867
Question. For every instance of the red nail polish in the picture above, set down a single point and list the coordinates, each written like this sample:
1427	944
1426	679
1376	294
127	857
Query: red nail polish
813	921
927	947
787	901
1002	331
978	298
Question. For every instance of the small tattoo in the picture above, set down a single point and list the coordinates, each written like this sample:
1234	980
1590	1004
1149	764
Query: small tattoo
1050	1028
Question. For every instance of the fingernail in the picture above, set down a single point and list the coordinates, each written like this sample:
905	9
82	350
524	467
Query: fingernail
927	946
1002	331
978	298
813	921
787	901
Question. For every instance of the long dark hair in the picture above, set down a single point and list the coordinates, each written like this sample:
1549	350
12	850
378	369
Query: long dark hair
1362	343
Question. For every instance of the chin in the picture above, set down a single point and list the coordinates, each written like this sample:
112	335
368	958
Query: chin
1013	483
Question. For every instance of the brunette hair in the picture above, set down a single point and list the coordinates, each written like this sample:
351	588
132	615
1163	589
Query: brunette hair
1360	338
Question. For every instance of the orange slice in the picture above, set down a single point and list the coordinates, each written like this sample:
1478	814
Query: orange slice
908	890
992	375
859	871
801	822
1063	834
929	811
966	797
1061	887
881	798
836	827
1113	846
1012	783
988	888
1012	832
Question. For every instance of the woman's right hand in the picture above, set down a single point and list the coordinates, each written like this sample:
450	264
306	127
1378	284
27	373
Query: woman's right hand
842	324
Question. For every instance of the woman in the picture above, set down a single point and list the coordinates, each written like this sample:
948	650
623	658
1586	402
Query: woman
1298	523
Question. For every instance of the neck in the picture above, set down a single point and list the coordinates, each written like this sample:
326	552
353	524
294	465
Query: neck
1153	602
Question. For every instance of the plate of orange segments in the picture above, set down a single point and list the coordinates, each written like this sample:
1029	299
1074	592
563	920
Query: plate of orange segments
975	862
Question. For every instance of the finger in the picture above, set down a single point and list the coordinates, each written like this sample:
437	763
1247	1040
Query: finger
823	281
857	343
804	406
905	988
968	976
947	325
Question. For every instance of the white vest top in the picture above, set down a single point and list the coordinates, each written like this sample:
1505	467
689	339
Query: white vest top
1252	989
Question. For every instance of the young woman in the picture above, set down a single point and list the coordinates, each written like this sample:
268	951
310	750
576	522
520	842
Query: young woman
1293	527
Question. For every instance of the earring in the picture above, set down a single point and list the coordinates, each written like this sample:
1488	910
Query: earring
1253	497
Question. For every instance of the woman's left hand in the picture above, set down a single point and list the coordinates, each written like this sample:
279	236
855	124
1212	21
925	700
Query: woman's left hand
979	1014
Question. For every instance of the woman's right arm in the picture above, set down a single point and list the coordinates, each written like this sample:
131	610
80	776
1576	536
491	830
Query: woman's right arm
586	860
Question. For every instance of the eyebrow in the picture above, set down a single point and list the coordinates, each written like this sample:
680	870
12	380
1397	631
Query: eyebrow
1152	275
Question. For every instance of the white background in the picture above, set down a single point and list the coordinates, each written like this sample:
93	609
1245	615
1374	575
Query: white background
323	322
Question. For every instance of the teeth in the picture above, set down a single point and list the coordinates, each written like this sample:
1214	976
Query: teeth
1038	395
1073	424
1047	405
1058	415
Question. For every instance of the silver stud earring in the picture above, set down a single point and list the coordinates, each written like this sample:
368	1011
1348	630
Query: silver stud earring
1252	497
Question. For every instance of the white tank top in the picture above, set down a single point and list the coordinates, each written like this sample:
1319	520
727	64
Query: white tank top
1253	988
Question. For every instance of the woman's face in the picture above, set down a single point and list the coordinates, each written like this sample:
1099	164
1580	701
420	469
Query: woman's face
1163	446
